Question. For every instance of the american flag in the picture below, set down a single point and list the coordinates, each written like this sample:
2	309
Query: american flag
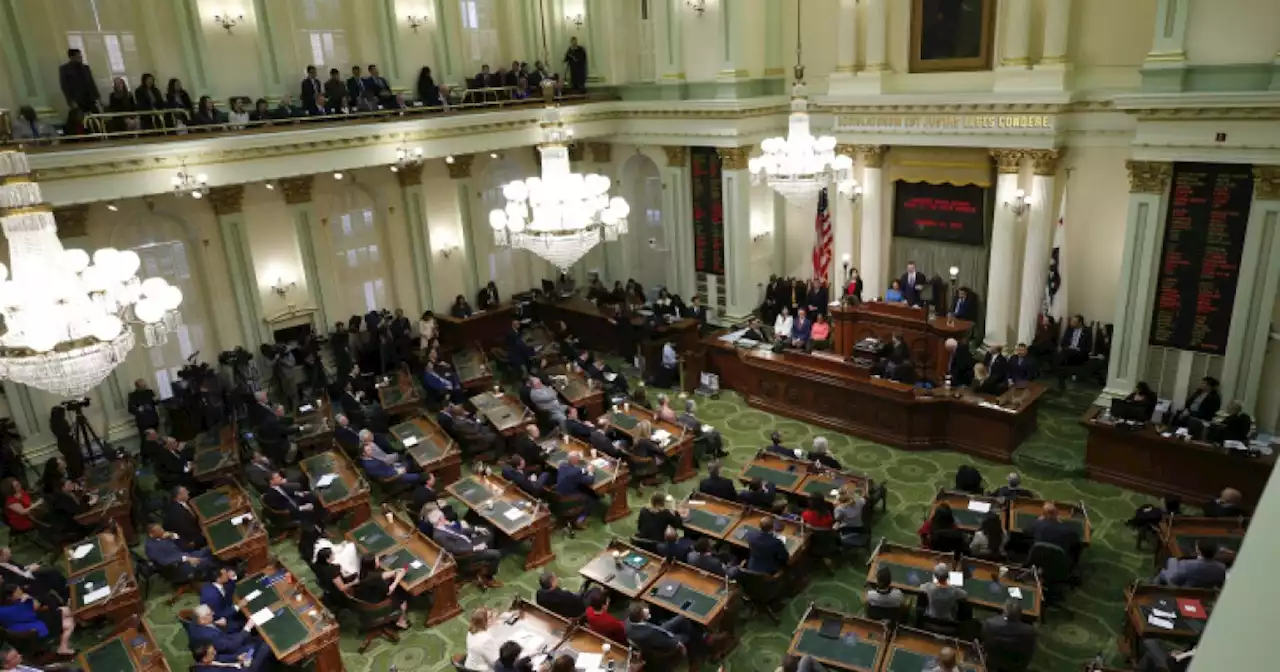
822	240
1055	290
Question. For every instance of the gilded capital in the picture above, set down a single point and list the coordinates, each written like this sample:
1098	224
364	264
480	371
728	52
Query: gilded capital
1008	160
1266	183
460	167
850	151
677	157
297	189
1044	161
1148	177
601	152
733	158
410	176
227	200
576	151
872	155
73	220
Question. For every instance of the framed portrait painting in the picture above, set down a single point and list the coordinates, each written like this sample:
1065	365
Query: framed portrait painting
952	35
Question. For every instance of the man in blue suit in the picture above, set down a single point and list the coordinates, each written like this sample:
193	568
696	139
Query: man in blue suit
348	437
1021	367
913	283
576	427
218	596
207	659
965	307
767	554
385	471
674	546
163	549
531	484
800	329
521	353
574	479
443	387
236	644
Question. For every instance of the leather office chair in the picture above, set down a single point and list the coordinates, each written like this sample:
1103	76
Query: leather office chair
1057	573
280	522
764	593
567	509
376	621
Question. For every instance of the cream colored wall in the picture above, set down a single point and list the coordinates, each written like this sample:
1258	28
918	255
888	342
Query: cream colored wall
444	221
1229	32
1109	41
817	26
1097	204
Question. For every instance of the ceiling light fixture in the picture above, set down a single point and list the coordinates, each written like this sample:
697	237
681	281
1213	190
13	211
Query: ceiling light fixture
186	184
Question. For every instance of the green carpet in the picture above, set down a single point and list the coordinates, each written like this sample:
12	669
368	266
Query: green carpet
1051	462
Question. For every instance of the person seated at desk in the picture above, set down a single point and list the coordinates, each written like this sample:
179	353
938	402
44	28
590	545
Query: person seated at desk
1227	505
716	485
996	362
533	484
894	293
959	363
70	501
883	594
820	454
481	643
659	640
775	446
985	382
1202	405
260	468
45	583
800	330
817	513
348	437
664	305
599	440
705	559
575	426
20	612
664	411
939	532
614	383
755	331
377	584
820	334
988	540
1049	528
527	447
1073	348
557	600
782	325
1022	368
766	554
383	467
488	298
944	599
895	360
546	401
162	548
644	446
965	306
330	575
947	661
1007	632
695	310
18	505
596	291
469	544
673	546
234	643
1202	571
654	519
1143	394
442	385
275	435
173	464
460	309
219	596
572	478
284	496
1236	424
1013	488
600	620
847	518
758	494
180	518
207	659
473	436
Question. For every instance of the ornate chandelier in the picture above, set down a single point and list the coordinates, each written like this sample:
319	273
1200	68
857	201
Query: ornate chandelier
185	183
561	215
67	320
801	165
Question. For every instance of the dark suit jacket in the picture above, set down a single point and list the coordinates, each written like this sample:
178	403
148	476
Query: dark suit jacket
170	467
562	602
707	562
356	89
180	521
571	480
68	504
653	524
718	486
334	92
997	367
967	309
223	642
1086	339
522	481
163	552
222	606
651	638
291	503
310	89
487	299
999	633
677	550
960	368
760	500
1236	427
1022	369
1208	406
909	293
1055	532
767	554
519	350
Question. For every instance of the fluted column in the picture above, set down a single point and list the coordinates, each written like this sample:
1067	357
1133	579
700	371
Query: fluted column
846	29
1057	33
735	182
1016	28
1256	291
415	221
871	246
843	234
678	209
228	205
1144	224
1035	260
1165	67
1001	271
460	173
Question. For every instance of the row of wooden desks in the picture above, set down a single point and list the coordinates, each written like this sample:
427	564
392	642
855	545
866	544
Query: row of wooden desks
540	632
800	478
101	577
428	568
290	619
1016	514
677	442
220	461
133	649
699	596
434	451
507	509
988	584
856	644
611	475
1180	534
230	527
1170	613
346	493
732	522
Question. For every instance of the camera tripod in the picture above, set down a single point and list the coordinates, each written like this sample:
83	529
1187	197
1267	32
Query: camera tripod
85	435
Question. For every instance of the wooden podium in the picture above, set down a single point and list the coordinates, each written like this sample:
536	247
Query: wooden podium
925	337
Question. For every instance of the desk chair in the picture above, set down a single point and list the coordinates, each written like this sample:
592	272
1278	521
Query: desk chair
1003	659
643	544
644	470
39	535
826	547
376	621
181	583
36	650
567	509
1057	572
280	522
654	661
942	626
948	541
764	593
894	615
145	571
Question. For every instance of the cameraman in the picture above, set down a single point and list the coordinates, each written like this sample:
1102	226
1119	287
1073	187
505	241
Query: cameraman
142	406
67	444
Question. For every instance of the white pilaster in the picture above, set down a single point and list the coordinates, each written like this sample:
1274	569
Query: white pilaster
1014	70
871	246
846	47
1165	66
1256	291
870	78
676	203
1057	33
1002	273
1035	259
668	40
843	223
739	286
1148	188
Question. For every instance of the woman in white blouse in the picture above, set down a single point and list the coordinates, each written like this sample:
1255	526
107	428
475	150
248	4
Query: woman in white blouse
482	646
238	117
782	325
427	328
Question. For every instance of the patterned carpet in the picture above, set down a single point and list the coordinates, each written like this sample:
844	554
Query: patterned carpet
1051	463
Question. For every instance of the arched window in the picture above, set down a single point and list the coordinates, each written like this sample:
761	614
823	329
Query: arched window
479	34
320	40
642	187
510	270
360	258
110	50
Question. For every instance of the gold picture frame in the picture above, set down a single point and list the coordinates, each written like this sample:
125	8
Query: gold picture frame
957	37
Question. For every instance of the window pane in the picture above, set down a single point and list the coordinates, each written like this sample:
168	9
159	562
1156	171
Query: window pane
360	269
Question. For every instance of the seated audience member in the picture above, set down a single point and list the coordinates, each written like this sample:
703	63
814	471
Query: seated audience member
470	545
331	576
805	663
1202	571
1143	394
1013	488
985	383
1022	368
988	540
820	453
675	547
755	331
703	558
782	325
44	583
1073	348
1202	405
817	513
284	496
219	596
848	518
527	447
662	640
997	363
533	484
800	330
443	386
377	584
894	293
1049	528
18	505
546	401
758	494
965	306
944	599
575	426
180	518
883	594
557	600
473	436
20	612
654	519
959	363
511	659
1227	505
574	478
599	620
162	548
233	643
207	659
939	532
664	411
1236	425
766	553
389	468
461	309
644	446
1007	632
775	446
820	334
716	485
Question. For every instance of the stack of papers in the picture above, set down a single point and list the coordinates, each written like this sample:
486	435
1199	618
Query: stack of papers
957	579
416	564
241	518
1160	622
410	441
513	514
661	435
306	408
95	595
325	480
979	506
253	596
81	551
600	463
1015	592
589	661
262	616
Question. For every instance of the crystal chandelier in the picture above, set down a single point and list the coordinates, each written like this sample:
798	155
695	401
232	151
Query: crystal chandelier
407	158
67	319
561	215
184	183
801	165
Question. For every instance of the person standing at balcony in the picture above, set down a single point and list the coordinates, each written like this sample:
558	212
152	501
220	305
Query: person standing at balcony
311	88
147	98
335	91
485	79
576	60
380	89
357	89
78	86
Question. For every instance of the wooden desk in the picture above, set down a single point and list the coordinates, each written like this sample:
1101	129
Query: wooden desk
794	535
576	389
124	600
623	568
319	422
485	327
801	478
348	493
540	338
505	412
400	396
1145	461
112	483
104	547
428	568
223	501
913	567
231	527
301	629
710	516
679	447
584	640
218	462
1179	535
134	648
1141	598
925	338
699	596
597	330
539	631
859	648
509	510
473	369
913	650
430	448
1024	511
611	477
968	519
825	390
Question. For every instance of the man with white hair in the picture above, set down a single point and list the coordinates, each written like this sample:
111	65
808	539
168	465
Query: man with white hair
235	642
546	400
572	479
1013	488
944	598
959	363
820	453
348	437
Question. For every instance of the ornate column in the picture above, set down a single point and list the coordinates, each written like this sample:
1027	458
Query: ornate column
1256	292
843	234
876	64
415	221
1035	260
228	205
739	285
676	203
321	286
1016	28
460	173
871	246
668	40
1144	224
1165	68
1057	32
1004	236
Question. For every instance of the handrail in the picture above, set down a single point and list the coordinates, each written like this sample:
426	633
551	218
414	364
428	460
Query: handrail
99	120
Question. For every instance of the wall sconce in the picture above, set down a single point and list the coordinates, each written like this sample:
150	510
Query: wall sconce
699	6
448	250
757	237
282	288
575	19
416	22
1019	203
227	21
850	189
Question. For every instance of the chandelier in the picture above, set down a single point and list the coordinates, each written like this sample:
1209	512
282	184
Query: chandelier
184	183
561	215
407	158
801	165
66	320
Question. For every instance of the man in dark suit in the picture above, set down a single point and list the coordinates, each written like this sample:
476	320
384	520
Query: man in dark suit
485	79
335	91
1203	404
965	306
532	484
659	640
1049	528
703	558
1073	349
1007	634
348	437
775	446
997	363
913	284
70	502
716	485
44	583
1013	488
379	88
572	478
576	427
600	441
227	641
766	553
557	600
357	91
173	465
219	596
312	90
521	353
275	436
284	496
180	518
387	470
959	364
151	446
473	436
816	297
1022	368
675	547
207	659
1237	424
142	406
1227	505
1202	571
162	548
468	547
758	494
78	85
696	310
488	298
